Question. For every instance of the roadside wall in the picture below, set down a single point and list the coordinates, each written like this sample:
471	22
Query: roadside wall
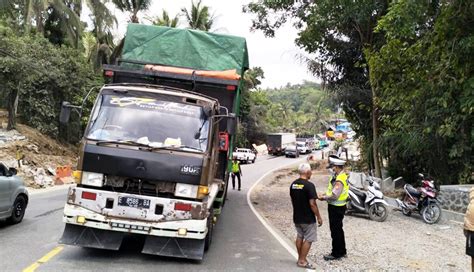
454	197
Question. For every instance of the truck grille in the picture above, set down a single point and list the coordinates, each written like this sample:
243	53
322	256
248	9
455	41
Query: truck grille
139	187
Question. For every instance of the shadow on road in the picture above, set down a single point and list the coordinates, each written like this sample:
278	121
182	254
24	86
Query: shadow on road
130	249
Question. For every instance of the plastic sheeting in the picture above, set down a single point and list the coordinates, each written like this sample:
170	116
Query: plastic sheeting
185	48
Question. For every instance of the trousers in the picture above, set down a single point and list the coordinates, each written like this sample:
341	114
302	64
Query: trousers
336	215
233	179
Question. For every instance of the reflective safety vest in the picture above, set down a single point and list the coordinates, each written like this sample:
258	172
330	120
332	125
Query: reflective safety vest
342	200
235	167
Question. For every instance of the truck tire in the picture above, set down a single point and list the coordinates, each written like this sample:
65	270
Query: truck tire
210	229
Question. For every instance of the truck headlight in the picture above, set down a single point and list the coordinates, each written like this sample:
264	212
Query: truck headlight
92	179
191	191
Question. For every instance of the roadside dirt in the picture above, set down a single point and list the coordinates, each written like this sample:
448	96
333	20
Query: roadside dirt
39	153
400	243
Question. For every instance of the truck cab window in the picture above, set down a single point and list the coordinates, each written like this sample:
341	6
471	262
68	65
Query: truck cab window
150	121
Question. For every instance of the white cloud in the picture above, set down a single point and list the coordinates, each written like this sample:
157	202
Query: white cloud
277	56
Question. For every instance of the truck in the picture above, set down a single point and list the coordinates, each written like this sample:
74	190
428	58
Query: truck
306	144
155	156
277	142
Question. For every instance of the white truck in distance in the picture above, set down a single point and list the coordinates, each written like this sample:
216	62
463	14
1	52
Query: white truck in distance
244	155
302	147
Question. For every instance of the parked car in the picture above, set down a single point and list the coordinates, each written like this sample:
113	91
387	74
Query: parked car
292	151
245	155
13	195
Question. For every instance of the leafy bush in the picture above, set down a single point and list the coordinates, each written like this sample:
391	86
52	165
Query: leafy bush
44	75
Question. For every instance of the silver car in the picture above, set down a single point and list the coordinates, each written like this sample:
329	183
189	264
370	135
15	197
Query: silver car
13	195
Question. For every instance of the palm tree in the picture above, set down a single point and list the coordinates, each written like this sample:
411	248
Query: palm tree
199	17
132	6
68	12
164	20
102	19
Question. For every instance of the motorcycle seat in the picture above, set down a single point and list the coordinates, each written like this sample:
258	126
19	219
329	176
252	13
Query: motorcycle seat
358	192
412	191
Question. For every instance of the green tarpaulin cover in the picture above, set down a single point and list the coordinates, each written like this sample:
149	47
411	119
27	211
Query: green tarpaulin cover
185	48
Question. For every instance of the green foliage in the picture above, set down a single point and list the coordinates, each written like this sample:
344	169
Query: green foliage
164	20
410	62
424	76
44	75
299	108
132	7
199	16
337	34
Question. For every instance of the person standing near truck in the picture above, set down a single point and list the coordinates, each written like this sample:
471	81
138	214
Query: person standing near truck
305	211
336	196
236	172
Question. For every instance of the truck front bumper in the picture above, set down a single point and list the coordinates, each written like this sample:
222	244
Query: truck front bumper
189	228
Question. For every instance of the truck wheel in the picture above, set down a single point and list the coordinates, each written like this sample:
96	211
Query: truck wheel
253	161
18	210
210	228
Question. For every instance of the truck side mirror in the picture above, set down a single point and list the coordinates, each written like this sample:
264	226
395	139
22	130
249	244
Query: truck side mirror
65	112
231	125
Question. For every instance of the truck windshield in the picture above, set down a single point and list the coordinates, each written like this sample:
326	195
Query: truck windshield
150	122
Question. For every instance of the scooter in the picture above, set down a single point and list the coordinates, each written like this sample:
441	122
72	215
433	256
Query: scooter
369	202
422	200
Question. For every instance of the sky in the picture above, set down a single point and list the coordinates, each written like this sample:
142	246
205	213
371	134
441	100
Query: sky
277	56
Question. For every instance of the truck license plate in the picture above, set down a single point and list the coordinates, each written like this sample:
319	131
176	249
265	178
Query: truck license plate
133	202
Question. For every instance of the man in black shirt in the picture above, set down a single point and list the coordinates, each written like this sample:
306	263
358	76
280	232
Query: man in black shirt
303	198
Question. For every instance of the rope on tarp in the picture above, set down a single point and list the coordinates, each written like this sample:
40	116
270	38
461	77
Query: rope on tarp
193	78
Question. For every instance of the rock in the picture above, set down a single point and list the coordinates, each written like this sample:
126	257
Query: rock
64	180
41	178
51	171
32	147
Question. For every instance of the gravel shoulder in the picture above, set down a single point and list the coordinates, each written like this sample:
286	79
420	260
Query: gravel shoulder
400	243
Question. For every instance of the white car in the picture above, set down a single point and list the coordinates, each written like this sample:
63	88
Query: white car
302	148
244	155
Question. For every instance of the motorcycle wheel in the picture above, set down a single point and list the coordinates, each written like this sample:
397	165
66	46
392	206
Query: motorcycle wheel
378	212
406	212
431	213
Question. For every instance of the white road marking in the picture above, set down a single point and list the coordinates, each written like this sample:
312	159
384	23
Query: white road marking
281	240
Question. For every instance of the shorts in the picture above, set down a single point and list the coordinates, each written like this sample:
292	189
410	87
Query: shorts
470	243
307	232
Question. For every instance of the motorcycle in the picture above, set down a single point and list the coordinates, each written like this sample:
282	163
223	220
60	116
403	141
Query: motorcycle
422	200
369	202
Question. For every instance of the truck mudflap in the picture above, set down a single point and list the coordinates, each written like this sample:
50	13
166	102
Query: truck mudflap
174	247
77	235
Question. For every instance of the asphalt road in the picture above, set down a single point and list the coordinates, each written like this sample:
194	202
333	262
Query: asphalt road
240	241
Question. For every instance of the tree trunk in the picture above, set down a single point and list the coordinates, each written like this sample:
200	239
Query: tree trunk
375	128
12	106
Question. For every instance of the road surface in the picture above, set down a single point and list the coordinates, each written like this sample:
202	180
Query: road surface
240	241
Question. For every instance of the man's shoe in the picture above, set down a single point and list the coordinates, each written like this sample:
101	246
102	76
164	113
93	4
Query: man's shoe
330	257
239	189
233	188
